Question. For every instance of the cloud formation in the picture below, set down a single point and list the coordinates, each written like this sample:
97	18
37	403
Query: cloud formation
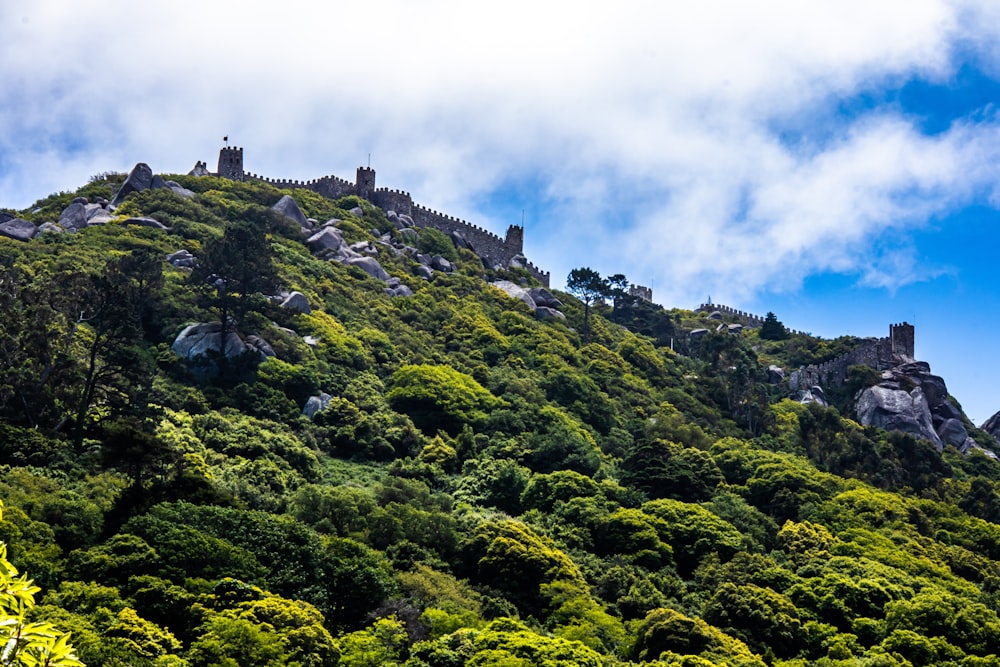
701	146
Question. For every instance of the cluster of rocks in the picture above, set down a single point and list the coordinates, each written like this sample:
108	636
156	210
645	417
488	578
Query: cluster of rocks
992	426
912	400
327	241
85	213
538	299
204	339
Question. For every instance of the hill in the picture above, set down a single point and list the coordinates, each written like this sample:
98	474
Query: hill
249	425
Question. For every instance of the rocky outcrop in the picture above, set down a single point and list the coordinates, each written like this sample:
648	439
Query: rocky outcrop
992	426
912	400
370	266
542	312
316	404
139	179
288	207
204	339
18	229
298	302
813	394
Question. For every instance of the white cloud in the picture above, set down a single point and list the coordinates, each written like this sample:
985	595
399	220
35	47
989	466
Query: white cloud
662	119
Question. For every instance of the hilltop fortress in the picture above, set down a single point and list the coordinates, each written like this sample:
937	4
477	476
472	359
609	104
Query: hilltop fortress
496	252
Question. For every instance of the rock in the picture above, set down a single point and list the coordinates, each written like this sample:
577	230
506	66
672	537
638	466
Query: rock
458	238
326	239
424	272
74	216
311	223
365	247
898	410
515	292
545	313
424	259
100	217
406	220
696	334
992	426
316	404
543	297
332	222
441	264
139	179
735	328
399	290
260	346
80	200
5	216
775	374
370	266
715	315
180	189
203	339
813	394
158	183
145	222
18	229
357	211
298	302
517	262
50	228
286	206
952	432
408	237
182	259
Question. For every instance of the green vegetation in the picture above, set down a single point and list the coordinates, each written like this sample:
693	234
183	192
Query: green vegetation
481	487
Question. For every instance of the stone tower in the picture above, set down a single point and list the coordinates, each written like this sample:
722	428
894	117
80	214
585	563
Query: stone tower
231	163
365	183
514	241
901	339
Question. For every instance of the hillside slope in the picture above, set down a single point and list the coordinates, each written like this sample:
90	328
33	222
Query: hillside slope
478	483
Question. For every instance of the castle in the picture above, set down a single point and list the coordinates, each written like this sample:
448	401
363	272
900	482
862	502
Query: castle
495	252
878	353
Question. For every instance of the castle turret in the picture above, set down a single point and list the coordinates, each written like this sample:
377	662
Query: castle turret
901	341
514	241
365	183
231	163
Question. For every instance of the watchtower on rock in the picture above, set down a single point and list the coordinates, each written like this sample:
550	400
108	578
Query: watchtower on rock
514	241
901	340
231	163
365	183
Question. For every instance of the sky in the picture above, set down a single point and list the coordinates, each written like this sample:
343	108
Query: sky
836	163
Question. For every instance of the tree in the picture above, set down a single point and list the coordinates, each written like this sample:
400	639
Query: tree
27	644
772	329
240	267
588	286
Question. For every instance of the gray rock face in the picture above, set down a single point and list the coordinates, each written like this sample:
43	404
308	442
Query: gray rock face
18	229
895	409
458	238
775	374
543	297
399	290
516	292
50	228
370	266
408	237
180	189
405	220
298	302
952	432
696	334
326	239
74	216
205	339
545	313
992	426
286	206
5	216
441	264
424	272
200	169
182	259
357	211
813	394
99	216
316	404
139	179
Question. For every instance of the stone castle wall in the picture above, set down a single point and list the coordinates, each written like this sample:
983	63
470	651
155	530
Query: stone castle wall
748	320
878	353
494	250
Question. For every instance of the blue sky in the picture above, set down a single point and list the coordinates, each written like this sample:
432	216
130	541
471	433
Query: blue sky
834	162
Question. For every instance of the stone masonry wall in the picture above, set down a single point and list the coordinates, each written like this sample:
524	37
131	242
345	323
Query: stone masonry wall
495	251
878	353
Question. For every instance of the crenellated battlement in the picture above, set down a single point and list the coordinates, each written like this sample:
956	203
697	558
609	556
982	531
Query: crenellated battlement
748	320
495	251
878	353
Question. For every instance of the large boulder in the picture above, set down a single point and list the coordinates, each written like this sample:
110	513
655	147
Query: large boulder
143	221
515	292
204	339
370	266
992	426
545	313
327	239
180	189
896	409
286	206
18	229
316	404
298	302
75	216
775	374
139	179
543	297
